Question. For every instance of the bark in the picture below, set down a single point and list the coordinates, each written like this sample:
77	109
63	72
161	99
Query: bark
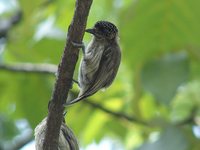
65	74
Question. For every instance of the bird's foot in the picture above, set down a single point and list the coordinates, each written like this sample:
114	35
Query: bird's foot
76	82
79	45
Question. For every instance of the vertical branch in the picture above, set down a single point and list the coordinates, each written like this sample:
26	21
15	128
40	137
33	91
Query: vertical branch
65	74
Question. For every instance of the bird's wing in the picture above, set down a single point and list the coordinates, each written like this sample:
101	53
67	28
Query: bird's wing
69	138
106	73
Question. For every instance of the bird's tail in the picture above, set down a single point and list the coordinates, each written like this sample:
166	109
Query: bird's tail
81	96
75	100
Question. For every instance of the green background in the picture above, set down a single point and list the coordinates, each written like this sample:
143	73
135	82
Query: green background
158	81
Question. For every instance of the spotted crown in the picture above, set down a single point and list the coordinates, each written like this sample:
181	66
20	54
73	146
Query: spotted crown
106	28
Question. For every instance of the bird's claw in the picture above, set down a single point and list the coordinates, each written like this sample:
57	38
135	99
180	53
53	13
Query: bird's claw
79	45
76	82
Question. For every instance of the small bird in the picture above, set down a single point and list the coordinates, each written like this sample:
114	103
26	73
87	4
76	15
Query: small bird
66	141
101	60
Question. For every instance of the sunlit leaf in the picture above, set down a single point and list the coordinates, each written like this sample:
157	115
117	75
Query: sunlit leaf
155	26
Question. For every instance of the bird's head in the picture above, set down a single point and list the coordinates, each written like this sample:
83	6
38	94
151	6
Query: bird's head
103	30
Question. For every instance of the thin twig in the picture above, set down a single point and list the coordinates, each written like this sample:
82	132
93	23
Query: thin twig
30	68
51	69
7	24
116	114
65	74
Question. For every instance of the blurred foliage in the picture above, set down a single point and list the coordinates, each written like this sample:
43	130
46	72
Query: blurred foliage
158	81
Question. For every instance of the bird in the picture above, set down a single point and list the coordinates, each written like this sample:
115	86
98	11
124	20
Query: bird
100	62
66	141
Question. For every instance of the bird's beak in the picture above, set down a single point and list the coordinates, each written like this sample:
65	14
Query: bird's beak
91	31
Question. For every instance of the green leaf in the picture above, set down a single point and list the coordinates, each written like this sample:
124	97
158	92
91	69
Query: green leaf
94	126
164	75
8	128
186	100
33	99
149	27
171	138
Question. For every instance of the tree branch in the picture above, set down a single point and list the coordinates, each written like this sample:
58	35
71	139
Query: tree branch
51	69
7	24
115	114
65	74
30	68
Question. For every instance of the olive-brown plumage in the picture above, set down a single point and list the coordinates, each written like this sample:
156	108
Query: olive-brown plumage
66	140
100	61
